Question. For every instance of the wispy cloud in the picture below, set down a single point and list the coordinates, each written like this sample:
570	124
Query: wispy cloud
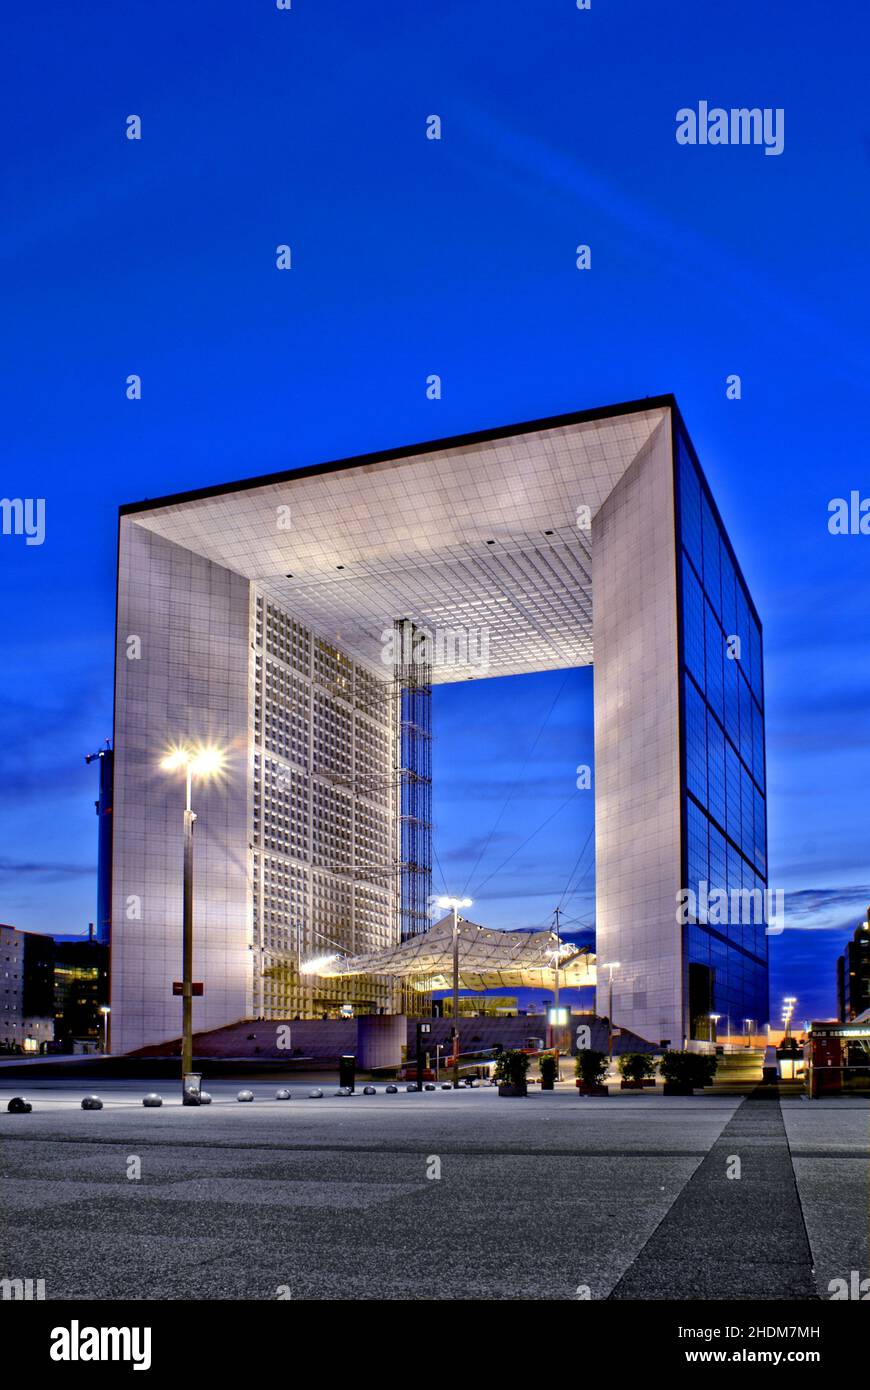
823	909
47	872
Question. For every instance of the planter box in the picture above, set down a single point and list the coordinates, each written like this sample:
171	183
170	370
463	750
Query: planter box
547	1085
586	1090
678	1088
507	1090
628	1084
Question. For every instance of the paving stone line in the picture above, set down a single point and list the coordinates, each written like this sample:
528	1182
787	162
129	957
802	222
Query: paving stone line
732	1238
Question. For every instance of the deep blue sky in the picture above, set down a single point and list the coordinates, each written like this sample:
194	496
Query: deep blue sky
411	257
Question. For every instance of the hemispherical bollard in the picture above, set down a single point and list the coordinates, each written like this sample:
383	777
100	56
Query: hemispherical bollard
429	1086
19	1106
245	1095
282	1094
445	1086
152	1100
344	1091
369	1091
204	1098
92	1103
315	1095
391	1090
412	1086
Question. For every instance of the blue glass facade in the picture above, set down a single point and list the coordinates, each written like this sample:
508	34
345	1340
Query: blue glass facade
722	736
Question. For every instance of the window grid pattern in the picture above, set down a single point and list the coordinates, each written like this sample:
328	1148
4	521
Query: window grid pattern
332	734
322	817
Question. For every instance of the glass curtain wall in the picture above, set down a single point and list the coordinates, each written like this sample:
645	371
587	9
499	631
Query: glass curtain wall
724	805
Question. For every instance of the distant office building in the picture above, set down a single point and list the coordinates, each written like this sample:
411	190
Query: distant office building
26	989
853	974
80	989
279	618
51	989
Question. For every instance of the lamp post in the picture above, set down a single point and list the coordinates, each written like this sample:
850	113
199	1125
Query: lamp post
556	1039
789	1001
194	762
610	965
455	904
316	964
714	1019
105	1011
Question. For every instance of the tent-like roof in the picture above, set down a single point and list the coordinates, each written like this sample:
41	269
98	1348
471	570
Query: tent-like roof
488	959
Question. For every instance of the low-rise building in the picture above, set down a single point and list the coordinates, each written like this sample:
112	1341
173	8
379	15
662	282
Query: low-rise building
26	990
51	990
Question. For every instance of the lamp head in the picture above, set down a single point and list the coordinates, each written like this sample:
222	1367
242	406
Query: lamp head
202	760
319	963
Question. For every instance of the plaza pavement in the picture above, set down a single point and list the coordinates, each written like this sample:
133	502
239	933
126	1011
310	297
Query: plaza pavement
550	1197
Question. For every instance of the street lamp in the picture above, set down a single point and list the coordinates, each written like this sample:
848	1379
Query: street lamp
455	904
789	1001
714	1019
202	761
318	963
610	965
556	1012
315	964
105	1011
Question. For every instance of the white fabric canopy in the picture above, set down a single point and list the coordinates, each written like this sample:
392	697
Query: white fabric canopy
488	959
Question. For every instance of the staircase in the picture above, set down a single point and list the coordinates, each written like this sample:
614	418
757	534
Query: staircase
740	1068
325	1040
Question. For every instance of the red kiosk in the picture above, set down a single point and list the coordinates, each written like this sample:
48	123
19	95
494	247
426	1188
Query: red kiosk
827	1054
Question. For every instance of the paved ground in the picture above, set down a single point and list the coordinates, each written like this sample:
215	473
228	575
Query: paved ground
540	1198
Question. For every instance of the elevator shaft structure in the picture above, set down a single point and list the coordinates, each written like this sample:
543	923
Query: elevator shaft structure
412	674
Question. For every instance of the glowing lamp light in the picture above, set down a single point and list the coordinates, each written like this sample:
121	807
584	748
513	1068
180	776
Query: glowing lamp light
314	967
205	760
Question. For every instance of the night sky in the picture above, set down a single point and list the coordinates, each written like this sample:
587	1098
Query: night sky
456	257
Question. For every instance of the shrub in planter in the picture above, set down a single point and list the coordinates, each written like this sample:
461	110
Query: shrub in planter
510	1072
683	1072
548	1071
637	1070
591	1068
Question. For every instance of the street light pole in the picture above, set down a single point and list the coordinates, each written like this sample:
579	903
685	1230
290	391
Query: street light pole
610	1017
195	762
790	1001
610	965
455	904
187	937
455	997
556	1039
